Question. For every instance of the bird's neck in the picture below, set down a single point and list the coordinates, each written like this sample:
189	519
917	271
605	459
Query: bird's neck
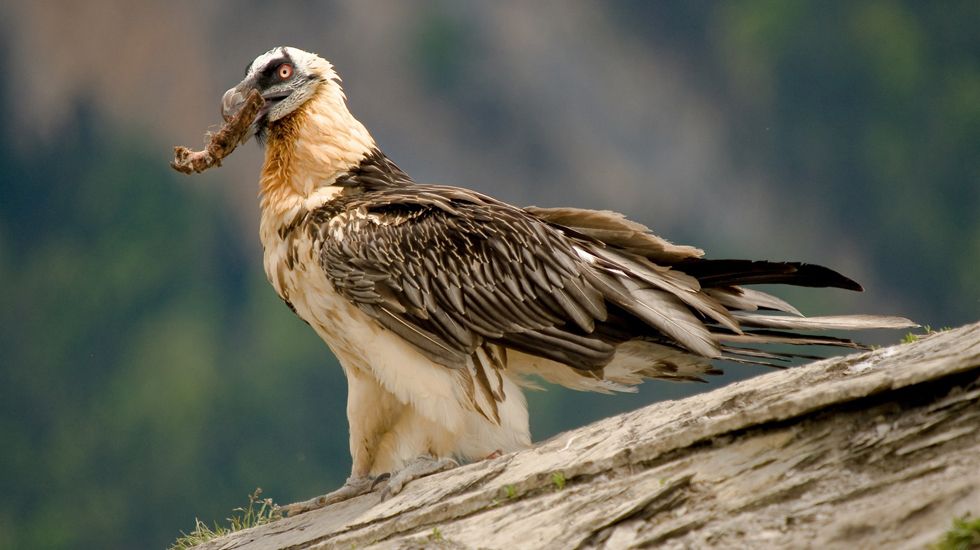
307	150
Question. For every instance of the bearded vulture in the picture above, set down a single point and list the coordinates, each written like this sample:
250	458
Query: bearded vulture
440	302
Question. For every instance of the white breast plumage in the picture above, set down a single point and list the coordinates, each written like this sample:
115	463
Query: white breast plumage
436	414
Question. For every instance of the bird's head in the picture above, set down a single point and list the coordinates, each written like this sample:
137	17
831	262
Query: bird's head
286	78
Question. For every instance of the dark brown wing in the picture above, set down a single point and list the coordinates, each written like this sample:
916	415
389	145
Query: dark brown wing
453	271
449	269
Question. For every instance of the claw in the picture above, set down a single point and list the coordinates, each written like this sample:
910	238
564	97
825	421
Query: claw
381	480
420	467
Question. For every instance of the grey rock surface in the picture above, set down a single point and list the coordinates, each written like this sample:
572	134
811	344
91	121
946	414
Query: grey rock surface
872	450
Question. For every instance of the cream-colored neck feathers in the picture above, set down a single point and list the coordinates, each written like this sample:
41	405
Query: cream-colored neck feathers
309	148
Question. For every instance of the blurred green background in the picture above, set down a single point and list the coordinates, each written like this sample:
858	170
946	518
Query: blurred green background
148	373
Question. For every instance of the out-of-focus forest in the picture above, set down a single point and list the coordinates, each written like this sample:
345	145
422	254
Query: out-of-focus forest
148	373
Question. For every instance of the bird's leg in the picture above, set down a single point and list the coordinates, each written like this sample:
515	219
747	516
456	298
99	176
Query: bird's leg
420	467
369	414
354	487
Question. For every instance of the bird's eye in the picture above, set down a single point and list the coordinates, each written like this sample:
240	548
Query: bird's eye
285	71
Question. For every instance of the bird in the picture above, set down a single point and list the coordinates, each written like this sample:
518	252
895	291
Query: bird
442	304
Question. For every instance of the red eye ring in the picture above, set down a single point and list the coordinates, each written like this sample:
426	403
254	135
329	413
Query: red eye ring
284	71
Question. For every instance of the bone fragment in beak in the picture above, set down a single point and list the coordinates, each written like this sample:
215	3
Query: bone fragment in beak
220	144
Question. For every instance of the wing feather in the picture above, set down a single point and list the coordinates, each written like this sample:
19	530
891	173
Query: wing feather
483	272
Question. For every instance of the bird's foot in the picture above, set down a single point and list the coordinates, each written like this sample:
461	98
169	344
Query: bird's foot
420	467
355	486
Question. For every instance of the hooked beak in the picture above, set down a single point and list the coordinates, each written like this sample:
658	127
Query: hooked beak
233	100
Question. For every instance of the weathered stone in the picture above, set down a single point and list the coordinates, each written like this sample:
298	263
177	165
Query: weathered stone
873	450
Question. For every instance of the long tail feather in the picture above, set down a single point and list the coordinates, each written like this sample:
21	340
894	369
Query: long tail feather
779	337
671	311
835	322
715	273
748	299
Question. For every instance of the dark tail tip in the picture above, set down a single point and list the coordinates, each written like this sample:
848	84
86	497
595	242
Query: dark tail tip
715	273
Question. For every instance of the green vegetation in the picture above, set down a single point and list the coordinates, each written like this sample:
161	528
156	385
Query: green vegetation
507	492
558	480
926	331
963	535
258	512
